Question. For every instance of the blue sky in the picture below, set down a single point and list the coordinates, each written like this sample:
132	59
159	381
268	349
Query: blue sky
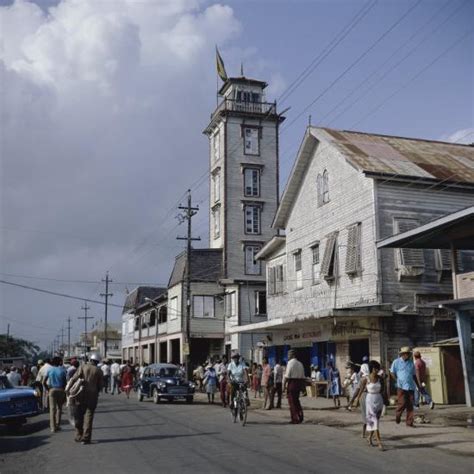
103	100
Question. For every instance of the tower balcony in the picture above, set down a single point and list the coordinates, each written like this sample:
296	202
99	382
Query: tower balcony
232	105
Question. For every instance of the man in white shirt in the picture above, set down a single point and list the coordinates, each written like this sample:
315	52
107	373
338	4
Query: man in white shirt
41	377
294	383
105	367
278	373
115	377
14	377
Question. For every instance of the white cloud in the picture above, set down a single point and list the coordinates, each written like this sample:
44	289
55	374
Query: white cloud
103	109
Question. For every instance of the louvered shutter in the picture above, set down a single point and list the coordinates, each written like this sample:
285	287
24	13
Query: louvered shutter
410	257
353	249
328	255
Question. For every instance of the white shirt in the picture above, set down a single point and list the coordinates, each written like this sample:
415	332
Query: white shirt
105	369
278	373
14	378
43	372
115	368
294	369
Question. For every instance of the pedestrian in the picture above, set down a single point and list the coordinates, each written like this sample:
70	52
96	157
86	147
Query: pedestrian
364	368
266	383
34	372
373	385
45	366
351	384
14	376
277	389
294	382
420	372
115	377
56	382
87	402
127	380
72	369
25	376
106	374
403	371
222	375
210	378
334	380
256	379
198	375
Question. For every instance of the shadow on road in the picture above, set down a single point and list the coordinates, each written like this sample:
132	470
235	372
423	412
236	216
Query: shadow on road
153	437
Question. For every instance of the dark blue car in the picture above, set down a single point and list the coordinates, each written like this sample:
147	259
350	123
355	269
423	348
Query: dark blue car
165	382
17	403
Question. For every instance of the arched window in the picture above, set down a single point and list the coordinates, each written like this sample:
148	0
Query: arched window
319	189
325	187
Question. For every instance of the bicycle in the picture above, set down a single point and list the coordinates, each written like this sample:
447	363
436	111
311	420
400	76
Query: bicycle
238	406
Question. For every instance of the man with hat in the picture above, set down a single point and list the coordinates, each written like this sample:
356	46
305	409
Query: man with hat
294	383
403	371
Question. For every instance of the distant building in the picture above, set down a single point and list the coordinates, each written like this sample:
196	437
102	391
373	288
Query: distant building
331	293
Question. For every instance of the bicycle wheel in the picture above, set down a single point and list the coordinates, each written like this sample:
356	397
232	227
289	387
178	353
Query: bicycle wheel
242	411
234	410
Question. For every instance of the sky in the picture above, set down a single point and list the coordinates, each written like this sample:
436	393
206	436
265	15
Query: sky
103	104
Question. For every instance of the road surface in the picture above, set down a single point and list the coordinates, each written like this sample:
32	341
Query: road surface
142	438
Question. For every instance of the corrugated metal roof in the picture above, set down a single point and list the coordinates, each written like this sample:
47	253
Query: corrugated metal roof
137	296
404	156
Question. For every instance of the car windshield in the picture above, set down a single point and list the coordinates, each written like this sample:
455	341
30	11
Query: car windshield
168	372
4	383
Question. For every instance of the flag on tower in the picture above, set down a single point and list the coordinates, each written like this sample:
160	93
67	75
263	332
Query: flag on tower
220	66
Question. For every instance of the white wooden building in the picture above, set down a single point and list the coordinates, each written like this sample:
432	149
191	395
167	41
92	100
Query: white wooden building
331	293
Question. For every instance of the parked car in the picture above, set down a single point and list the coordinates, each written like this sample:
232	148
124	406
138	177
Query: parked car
165	382
17	403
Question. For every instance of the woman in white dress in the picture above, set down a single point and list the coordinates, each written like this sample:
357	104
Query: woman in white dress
373	384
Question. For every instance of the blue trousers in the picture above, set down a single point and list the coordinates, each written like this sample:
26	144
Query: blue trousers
425	394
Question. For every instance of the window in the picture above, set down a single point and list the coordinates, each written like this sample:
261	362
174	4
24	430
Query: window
137	323
216	142
252	266
410	262
298	269
203	306
319	189
216	182
216	218
251	182
328	265
252	219
173	307
152	319
353	262
276	279
131	325
325	196
162	315
315	265
230	307
251	141
260	303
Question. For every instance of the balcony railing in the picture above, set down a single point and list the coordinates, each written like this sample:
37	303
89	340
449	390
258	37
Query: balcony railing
250	107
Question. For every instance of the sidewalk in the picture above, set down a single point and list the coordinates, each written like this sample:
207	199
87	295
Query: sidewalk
443	428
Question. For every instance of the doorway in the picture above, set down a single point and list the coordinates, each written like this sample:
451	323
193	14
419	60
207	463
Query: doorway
303	354
175	351
163	352
358	348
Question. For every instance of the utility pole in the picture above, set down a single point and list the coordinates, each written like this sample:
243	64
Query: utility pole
69	336
189	212
85	318
62	340
106	296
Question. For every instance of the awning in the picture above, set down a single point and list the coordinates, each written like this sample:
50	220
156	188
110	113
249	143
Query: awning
456	229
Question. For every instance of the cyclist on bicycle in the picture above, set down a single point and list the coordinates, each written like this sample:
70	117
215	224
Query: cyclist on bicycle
238	374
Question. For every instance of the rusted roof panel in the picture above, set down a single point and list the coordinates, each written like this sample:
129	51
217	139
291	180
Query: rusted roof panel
404	156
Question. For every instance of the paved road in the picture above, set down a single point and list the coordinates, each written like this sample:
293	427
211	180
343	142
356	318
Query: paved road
174	437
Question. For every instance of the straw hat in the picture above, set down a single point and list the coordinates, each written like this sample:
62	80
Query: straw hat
405	350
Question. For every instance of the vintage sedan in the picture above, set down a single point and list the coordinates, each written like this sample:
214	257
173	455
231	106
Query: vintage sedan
17	404
165	382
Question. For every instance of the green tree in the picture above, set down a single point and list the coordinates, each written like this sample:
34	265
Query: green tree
15	347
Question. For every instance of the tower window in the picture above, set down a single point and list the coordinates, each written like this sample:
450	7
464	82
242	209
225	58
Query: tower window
322	188
315	268
216	142
251	182
260	303
252	219
251	141
216	217
252	266
216	182
298	269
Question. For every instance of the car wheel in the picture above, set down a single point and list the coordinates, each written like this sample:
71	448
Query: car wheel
156	396
189	399
139	395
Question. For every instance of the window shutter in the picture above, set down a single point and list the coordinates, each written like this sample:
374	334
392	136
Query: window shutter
353	249
319	189
409	257
328	256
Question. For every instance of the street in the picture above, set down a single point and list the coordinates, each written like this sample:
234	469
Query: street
175	437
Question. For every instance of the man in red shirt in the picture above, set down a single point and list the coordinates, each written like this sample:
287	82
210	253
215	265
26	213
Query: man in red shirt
420	371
